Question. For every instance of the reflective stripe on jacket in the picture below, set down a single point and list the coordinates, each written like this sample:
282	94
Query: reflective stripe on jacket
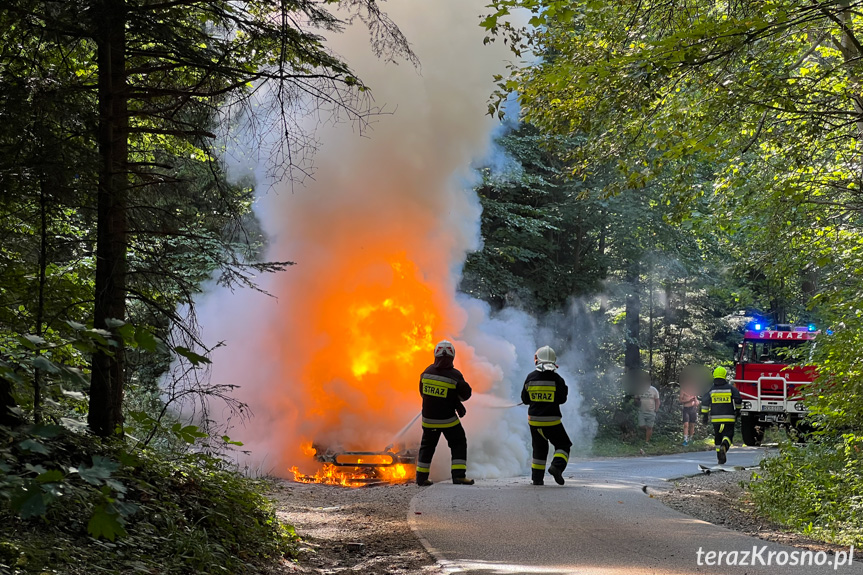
543	392
722	402
442	387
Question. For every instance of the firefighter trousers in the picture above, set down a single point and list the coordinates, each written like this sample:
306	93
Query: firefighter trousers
540	437
723	433
457	441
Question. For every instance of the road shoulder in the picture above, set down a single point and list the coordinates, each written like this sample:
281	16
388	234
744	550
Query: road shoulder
362	530
722	499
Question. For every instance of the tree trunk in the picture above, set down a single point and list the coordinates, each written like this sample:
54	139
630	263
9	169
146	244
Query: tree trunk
603	297
667	351
7	403
40	306
632	354
650	322
106	383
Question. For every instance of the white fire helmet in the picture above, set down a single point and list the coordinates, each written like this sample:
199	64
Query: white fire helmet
443	349
545	359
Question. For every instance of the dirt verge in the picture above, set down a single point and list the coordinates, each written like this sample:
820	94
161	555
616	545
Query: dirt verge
721	498
362	530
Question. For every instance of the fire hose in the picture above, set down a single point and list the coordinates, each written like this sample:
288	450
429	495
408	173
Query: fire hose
386	457
417	416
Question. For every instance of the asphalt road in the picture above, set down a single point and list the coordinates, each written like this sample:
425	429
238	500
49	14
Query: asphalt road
600	522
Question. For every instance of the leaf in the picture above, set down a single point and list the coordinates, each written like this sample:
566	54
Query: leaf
34	446
105	524
127	333
115	485
74	395
75	325
41	362
188	433
51	476
193	357
145	340
26	342
113	323
37	469
73	424
227	440
125	509
489	22
30	503
47	431
100	470
73	375
35	339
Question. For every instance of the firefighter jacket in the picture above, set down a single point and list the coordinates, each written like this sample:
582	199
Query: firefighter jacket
722	402
543	392
442	388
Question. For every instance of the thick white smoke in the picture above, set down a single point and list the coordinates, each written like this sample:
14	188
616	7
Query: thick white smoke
386	212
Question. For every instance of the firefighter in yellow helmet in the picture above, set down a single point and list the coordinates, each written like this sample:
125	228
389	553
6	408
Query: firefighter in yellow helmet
544	391
443	389
721	404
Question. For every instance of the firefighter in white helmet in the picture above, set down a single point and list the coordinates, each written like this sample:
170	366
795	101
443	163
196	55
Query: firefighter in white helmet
544	391
443	389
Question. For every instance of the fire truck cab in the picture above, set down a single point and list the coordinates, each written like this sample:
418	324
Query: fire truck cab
772	392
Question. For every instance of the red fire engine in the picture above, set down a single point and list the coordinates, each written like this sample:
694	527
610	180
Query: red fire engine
772	392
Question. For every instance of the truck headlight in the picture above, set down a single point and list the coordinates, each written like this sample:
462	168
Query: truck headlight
747	405
799	406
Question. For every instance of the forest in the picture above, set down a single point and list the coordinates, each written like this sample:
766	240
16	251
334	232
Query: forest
673	170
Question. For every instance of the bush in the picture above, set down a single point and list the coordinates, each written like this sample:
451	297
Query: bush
816	489
71	503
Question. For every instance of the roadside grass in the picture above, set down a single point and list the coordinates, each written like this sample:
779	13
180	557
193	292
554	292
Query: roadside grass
665	441
182	513
607	446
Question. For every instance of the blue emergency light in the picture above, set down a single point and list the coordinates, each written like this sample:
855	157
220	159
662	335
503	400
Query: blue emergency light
757	327
811	327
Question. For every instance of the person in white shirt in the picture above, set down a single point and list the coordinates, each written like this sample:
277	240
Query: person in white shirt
648	403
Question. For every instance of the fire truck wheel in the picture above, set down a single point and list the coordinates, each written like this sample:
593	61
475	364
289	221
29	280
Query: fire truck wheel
752	433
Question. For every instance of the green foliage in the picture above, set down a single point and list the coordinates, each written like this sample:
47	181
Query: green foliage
549	238
541	245
142	510
43	471
162	218
816	489
746	117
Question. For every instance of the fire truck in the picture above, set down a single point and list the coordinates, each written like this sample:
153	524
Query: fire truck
772	392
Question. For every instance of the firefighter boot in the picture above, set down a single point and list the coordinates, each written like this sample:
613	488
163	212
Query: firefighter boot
557	473
720	454
462	481
536	476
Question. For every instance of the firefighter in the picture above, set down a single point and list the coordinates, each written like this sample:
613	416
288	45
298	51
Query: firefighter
544	391
722	404
443	390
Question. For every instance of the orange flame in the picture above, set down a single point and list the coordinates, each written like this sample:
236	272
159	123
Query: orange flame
330	474
360	384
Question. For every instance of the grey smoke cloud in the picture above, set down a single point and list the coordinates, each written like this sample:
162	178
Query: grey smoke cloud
380	236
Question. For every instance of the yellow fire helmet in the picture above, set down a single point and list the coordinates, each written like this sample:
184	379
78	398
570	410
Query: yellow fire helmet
720	373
